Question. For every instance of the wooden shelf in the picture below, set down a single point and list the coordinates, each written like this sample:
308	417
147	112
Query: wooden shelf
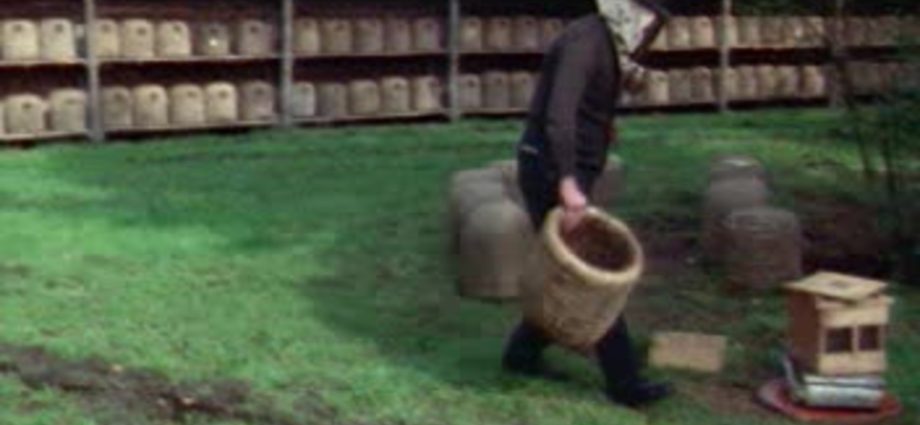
495	112
485	53
190	128
48	135
369	118
42	63
382	55
191	60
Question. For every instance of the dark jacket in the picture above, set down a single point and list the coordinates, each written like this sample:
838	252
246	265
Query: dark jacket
575	100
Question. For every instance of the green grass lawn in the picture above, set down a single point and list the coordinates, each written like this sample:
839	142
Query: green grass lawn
311	264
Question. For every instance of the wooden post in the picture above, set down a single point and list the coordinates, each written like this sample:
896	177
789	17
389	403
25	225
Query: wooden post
96	131
724	55
453	75
838	53
287	62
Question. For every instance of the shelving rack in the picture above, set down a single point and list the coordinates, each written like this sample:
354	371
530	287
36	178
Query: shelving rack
283	67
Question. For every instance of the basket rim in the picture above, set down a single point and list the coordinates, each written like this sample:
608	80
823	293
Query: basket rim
594	276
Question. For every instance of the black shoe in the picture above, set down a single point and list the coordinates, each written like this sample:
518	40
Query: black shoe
641	394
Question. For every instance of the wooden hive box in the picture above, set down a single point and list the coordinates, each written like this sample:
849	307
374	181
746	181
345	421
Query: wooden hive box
221	103
58	39
174	39
255	37
20	40
187	105
398	35
107	35
258	101
213	40
138	39
307	39
117	108
151	106
838	324
303	100
68	110
397	95
25	114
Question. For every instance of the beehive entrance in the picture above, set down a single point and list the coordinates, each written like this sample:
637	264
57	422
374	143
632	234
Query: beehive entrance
593	243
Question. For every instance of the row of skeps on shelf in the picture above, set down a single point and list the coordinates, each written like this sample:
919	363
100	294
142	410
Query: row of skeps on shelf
703	32
62	39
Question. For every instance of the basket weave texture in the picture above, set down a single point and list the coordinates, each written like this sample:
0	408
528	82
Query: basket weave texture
576	286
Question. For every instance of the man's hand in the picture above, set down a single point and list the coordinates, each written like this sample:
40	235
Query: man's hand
574	203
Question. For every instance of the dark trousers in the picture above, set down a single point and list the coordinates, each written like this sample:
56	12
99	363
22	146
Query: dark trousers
528	342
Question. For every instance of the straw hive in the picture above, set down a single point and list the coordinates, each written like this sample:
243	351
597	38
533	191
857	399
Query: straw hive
526	33
107	37
749	31
221	103
732	85
369	35
763	248
174	39
58	39
397	95
748	83
550	28
772	29
789	82
496	90
660	43
471	34
117	108
470	92
187	105
814	83
794	31
255	38
336	36
25	114
398	35
856	32
303	100
332	101
522	88
679	33
767	82
499	34
213	40
658	89
364	97
138	39
258	101
731	30
426	94
495	243
426	35
68	111
702	85
2	118
702	33
468	190
815	31
20	40
307	39
680	86
721	199
151	106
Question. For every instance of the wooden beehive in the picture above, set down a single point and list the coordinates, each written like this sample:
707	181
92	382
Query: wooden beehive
814	82
772	30
107	37
767	82
364	97
336	36
426	35
550	29
187	105
397	95
25	114
658	89
470	92
496	91
151	106
20	40
426	94
526	33
255	38
499	34
680	86
174	39
702	85
398	35
749	31
68	111
213	40
58	40
258	101
763	248
221	103
679	33
307	39
703	33
332	101
471	35
522	88
303	100
138	39
789	82
117	108
369	36
838	324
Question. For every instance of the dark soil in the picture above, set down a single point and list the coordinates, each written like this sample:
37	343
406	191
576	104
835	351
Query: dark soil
118	395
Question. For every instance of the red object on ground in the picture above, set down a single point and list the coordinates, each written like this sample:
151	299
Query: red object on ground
775	395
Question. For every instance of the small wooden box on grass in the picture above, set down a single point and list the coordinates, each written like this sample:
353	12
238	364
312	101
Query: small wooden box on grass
838	324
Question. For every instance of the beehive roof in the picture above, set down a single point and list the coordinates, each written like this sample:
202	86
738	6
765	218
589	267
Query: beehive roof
838	286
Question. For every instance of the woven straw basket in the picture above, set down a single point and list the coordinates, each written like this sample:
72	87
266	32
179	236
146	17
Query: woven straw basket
522	88
679	37
732	84
307	39
815	31
117	108
398	35
702	87
731	30
497	90
151	106
657	89
470	92
723	197
764	248
68	110
187	105
255	38
107	36
336	36
257	101
495	243
499	34
789	85
20	40
369	36
138	40
58	40
793	31
526	34
213	40
749	31
174	39
397	95
332	100
364	97
550	29
426	94
767	81
576	286
702	33
303	100
814	83
221	103
771	30
25	114
426	34
748	85
680	87
471	35
468	190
